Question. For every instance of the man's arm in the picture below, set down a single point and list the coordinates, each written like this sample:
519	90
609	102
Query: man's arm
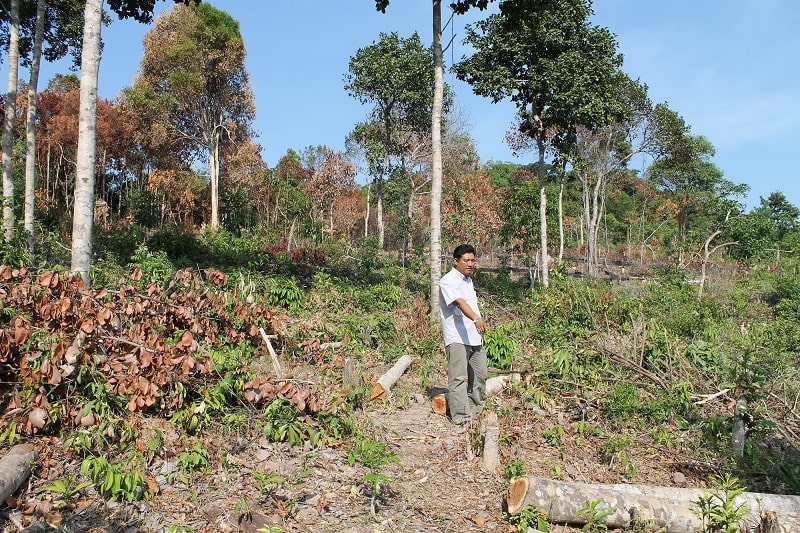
467	311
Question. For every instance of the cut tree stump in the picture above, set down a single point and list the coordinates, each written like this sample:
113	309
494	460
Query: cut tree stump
493	386
15	467
381	388
490	458
663	507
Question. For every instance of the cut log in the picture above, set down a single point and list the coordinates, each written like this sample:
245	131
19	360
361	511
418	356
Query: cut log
663	507
15	467
490	458
493	386
498	383
385	383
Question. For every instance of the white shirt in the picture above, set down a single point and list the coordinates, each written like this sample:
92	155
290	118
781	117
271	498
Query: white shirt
455	326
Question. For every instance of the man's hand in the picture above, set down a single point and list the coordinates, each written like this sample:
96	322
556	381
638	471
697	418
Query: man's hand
480	325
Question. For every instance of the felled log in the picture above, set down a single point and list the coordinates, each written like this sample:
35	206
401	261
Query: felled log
15	467
662	507
381	388
493	386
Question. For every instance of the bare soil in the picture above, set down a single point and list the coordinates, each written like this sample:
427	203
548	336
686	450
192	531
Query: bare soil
436	485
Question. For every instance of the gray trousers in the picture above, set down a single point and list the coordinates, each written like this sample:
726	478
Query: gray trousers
466	381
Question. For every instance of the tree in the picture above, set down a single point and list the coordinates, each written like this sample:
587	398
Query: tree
332	179
194	65
394	76
8	124
783	213
435	257
600	153
83	216
684	171
141	10
560	72
30	127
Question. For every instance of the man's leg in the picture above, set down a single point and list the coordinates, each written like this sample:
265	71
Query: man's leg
457	399
477	371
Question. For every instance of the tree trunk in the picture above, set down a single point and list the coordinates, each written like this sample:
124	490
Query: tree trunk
30	128
15	467
436	163
8	123
213	169
545	272
379	213
83	217
561	221
366	215
663	507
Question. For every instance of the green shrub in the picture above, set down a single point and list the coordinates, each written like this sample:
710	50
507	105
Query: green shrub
501	350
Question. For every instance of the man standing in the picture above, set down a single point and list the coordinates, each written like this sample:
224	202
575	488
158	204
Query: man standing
462	327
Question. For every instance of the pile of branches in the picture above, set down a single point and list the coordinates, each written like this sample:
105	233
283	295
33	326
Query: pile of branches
140	341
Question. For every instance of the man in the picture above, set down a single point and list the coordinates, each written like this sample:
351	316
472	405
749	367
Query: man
462	328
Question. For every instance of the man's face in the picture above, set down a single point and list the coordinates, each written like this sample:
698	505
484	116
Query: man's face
466	264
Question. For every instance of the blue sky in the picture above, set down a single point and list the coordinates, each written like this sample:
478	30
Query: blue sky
728	67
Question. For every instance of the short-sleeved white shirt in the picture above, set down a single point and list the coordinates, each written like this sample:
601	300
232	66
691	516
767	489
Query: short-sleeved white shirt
455	326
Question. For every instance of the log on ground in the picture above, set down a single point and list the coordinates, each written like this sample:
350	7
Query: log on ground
663	507
15	467
494	386
381	388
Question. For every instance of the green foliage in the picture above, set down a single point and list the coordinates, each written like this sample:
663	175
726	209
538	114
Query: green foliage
178	245
500	349
282	423
554	435
14	252
369	330
594	515
514	469
379	297
193	460
122	484
717	510
156	266
527	518
286	293
369	453
66	490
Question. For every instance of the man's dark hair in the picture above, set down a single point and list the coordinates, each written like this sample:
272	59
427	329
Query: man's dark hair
464	249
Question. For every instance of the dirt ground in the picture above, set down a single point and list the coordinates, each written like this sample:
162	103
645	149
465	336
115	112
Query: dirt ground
437	485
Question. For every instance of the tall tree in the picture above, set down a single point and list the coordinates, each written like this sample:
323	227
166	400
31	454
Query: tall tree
142	11
394	75
194	60
459	6
8	123
30	126
558	69
684	171
784	215
83	216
